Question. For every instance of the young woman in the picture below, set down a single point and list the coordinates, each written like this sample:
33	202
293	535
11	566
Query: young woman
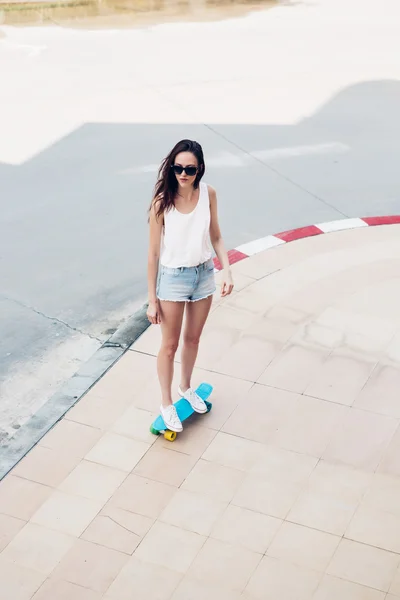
183	230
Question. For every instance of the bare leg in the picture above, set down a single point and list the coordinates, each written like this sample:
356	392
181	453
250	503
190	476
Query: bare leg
196	316
171	325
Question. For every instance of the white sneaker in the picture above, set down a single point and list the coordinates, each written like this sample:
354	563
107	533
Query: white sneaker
194	400
171	419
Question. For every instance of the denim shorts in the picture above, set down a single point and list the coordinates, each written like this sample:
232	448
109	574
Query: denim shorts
186	284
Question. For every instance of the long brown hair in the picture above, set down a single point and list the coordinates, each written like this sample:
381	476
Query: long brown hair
166	186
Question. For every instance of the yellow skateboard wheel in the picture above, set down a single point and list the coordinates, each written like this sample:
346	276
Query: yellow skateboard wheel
170	435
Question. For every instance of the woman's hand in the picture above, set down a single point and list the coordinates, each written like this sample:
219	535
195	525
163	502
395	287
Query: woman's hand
227	284
153	313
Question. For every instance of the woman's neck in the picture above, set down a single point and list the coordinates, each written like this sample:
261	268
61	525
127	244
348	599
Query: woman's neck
186	193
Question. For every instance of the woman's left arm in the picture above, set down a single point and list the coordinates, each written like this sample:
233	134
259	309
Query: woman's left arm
218	244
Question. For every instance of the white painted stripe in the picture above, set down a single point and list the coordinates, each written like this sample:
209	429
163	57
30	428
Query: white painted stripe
291	151
142	169
242	159
341	224
270	241
227	159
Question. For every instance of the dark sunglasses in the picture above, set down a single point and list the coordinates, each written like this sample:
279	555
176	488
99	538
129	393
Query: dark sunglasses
178	170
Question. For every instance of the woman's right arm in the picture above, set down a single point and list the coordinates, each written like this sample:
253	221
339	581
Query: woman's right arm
156	225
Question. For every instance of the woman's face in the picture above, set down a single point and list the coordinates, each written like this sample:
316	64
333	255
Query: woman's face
185	159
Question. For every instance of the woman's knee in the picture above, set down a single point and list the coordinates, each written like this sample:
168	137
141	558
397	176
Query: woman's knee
191	340
169	347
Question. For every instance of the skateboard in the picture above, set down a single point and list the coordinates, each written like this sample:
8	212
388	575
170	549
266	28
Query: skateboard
184	410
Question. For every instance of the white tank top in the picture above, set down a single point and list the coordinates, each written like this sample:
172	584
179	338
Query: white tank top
186	238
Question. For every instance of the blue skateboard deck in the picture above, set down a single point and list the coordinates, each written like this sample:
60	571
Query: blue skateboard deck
184	411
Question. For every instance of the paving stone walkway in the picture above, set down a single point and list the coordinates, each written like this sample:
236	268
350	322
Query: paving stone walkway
288	489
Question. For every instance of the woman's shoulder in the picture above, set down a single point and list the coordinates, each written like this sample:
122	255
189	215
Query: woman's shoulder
212	194
156	207
211	190
157	201
158	198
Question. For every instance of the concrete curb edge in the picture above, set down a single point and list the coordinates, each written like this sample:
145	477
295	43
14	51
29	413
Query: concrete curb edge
270	241
72	391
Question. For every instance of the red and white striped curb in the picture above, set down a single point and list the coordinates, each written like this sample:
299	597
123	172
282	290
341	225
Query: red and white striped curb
270	241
